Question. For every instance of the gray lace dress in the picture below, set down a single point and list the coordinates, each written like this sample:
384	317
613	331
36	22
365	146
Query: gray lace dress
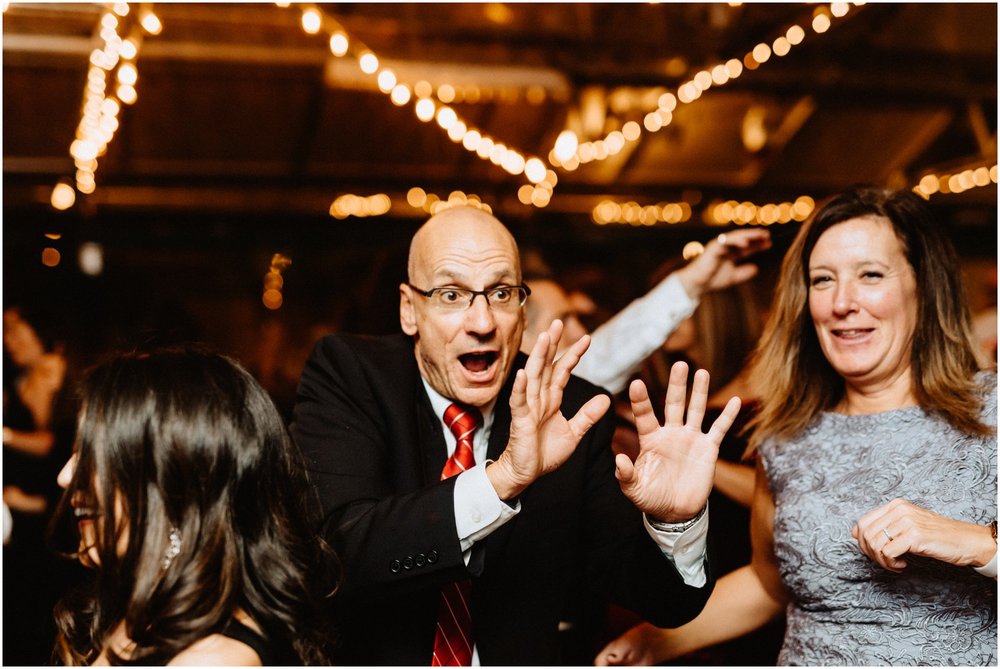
847	610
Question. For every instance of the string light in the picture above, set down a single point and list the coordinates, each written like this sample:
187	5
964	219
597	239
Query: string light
311	21
91	258
692	250
565	146
339	44
632	213
360	206
949	183
274	283
400	93
63	196
432	204
99	121
51	257
564	154
692	89
368	62
749	213
821	20
425	109
150	22
730	212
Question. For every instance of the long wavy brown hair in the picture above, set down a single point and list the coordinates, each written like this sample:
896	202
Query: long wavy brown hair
187	439
796	380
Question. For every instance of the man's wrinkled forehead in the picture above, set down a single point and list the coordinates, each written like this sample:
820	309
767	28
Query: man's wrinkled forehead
457	238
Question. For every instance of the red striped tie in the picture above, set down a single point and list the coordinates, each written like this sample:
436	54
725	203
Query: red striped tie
453	641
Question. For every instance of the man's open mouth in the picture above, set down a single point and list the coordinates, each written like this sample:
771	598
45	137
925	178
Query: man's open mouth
478	362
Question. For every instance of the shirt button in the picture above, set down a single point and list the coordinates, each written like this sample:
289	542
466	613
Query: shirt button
684	550
475	515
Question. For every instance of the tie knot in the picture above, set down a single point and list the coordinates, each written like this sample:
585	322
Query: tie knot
462	420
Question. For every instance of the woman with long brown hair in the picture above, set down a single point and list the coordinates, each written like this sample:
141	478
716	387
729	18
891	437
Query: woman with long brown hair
874	513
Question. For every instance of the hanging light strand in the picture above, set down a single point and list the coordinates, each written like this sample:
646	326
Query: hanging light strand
274	282
953	183
350	205
689	91
731	212
427	108
360	206
432	204
112	64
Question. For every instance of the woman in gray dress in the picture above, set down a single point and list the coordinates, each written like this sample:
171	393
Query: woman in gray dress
874	514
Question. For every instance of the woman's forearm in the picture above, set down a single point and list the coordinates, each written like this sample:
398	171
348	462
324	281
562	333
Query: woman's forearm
735	481
738	605
38	443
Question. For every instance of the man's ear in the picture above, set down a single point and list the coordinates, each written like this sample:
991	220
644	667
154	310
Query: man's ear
407	310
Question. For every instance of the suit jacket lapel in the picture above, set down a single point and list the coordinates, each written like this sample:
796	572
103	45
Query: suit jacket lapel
430	436
419	448
500	432
499	435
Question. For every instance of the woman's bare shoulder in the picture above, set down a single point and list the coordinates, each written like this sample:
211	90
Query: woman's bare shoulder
217	650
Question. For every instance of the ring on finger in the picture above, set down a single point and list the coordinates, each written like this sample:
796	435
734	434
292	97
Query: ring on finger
885	531
721	239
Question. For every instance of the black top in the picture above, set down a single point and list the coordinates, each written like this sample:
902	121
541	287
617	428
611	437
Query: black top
234	629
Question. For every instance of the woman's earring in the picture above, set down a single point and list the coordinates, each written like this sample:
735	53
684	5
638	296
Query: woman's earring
174	549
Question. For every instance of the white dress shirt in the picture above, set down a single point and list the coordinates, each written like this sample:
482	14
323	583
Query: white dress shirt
619	346
989	569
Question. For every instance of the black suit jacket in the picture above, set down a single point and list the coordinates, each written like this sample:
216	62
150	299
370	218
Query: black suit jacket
375	451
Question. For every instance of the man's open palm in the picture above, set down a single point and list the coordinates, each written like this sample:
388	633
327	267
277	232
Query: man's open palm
672	477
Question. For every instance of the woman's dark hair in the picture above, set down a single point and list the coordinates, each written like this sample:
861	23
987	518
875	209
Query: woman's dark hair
797	381
184	438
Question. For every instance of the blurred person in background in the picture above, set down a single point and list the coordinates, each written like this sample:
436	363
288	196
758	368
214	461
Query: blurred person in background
619	346
874	512
38	424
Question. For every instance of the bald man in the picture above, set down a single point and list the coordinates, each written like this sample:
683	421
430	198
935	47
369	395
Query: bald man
465	485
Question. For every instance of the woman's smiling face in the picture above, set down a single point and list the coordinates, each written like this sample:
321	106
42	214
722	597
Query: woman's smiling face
89	519
863	301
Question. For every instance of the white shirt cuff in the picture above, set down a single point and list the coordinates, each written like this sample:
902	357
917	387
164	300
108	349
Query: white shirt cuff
989	569
685	550
478	509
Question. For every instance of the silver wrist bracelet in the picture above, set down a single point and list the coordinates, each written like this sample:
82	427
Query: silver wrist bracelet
679	527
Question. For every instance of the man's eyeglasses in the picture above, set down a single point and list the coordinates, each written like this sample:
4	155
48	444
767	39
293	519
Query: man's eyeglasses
504	298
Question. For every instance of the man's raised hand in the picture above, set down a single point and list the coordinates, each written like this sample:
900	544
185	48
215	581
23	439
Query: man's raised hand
671	478
541	438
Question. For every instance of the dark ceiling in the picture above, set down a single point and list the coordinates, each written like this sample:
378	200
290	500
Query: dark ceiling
239	110
246	128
